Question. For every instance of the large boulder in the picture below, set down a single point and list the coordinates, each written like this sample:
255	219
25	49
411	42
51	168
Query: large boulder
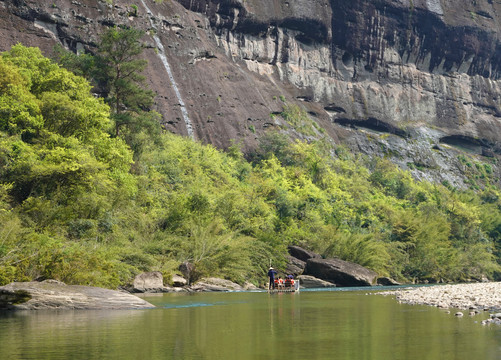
340	272
302	254
149	282
51	294
308	282
294	266
215	284
187	268
178	281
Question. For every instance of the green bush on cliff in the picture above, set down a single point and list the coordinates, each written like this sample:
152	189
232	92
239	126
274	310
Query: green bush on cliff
75	207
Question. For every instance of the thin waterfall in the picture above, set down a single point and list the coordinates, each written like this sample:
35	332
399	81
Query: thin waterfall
163	57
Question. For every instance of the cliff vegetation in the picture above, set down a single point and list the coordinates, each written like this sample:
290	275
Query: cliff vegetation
83	203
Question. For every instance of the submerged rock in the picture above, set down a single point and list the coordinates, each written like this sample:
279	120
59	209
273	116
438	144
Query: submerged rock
51	294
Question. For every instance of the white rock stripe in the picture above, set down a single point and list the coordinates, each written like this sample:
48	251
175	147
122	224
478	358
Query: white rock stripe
163	58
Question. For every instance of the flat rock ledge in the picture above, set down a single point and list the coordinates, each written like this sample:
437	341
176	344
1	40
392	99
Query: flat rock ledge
52	294
308	282
152	282
478	296
215	284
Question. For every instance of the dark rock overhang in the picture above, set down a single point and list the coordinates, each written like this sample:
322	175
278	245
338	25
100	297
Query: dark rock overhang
372	124
418	35
472	145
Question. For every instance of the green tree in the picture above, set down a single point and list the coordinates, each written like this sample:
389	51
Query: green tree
119	73
58	165
116	72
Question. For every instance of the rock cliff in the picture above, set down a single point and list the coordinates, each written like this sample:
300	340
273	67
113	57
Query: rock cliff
416	81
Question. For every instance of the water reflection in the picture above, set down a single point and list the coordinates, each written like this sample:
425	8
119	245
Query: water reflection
306	325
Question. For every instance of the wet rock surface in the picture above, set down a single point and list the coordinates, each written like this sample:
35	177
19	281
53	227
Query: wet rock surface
51	294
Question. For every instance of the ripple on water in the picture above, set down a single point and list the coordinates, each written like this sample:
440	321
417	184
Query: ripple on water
200	304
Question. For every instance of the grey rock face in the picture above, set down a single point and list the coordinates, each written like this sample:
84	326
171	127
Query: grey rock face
340	272
419	71
55	295
416	82
308	281
294	266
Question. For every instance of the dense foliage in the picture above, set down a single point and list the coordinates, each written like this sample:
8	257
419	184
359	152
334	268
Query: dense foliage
116	75
75	206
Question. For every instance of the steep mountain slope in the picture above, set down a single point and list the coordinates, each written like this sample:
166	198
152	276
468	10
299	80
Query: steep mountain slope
417	81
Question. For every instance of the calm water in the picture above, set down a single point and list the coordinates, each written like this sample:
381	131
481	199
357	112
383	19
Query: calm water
307	325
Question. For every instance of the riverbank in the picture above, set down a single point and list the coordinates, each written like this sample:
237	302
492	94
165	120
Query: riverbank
476	298
479	296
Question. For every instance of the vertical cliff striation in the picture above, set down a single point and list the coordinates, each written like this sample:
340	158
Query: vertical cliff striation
417	81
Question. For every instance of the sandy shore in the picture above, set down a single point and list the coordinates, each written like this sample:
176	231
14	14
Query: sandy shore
476	297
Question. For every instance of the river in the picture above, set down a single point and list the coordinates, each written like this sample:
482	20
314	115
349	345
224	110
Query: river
340	324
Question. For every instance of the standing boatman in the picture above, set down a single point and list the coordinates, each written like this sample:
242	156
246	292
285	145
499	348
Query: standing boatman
271	275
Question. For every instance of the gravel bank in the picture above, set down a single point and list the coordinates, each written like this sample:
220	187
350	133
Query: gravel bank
472	297
481	296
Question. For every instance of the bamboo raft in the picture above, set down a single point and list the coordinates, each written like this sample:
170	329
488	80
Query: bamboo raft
286	286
